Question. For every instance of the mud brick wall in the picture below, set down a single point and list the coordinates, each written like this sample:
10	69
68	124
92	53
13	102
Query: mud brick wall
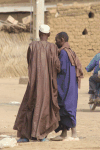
70	1
82	23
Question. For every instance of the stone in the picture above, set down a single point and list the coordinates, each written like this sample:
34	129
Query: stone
12	20
26	20
23	80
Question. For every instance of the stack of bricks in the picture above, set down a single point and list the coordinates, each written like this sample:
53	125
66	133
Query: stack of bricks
82	23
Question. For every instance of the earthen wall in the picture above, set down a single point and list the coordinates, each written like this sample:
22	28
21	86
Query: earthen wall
82	23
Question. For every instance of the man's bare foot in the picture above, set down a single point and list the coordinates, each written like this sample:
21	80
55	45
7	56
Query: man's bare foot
57	138
60	137
64	133
74	134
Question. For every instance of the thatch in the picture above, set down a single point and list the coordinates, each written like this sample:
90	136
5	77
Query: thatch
13	51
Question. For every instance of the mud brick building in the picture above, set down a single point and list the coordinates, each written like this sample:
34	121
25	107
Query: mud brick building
80	20
82	23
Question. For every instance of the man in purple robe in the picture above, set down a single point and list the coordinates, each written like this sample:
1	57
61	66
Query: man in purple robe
68	81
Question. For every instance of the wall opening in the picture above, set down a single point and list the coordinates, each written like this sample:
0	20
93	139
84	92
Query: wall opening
85	32
91	15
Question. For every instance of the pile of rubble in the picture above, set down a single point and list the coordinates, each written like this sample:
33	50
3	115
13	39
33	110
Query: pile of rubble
13	26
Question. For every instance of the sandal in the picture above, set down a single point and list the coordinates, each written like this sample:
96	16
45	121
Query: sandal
44	140
57	138
22	140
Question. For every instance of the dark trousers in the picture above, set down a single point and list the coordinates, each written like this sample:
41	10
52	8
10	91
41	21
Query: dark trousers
93	80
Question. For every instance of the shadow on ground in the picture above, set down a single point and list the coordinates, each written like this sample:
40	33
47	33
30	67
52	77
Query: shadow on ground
87	110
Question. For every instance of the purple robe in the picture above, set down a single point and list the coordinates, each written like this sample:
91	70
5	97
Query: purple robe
67	92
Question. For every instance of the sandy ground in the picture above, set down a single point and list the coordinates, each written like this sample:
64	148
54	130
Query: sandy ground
88	122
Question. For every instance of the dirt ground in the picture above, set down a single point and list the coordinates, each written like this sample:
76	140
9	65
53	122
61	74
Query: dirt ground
88	122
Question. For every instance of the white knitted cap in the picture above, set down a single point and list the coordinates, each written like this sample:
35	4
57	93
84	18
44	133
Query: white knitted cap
44	28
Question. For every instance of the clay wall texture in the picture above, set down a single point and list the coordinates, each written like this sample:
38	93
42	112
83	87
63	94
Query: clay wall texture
82	23
83	30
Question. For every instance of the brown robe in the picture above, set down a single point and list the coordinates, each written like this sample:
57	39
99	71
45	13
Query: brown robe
38	114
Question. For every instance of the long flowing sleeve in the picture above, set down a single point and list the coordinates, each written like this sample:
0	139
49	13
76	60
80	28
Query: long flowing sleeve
92	64
62	88
57	61
63	58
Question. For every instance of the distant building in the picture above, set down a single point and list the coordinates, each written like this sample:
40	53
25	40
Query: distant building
18	10
81	22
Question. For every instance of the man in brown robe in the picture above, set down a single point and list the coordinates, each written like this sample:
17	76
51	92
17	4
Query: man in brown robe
38	114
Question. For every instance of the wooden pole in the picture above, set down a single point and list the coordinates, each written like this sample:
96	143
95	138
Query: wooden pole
38	17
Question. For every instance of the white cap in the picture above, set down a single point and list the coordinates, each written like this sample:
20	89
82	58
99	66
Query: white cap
44	28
